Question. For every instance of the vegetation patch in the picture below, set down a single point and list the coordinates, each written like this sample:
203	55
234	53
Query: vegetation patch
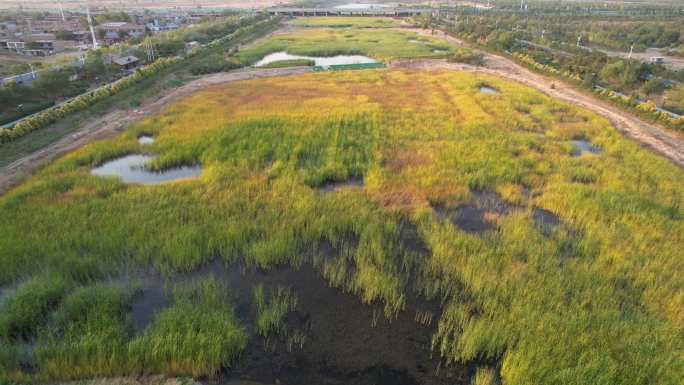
289	63
378	44
578	282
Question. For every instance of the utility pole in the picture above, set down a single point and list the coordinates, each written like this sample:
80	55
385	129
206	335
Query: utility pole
90	25
522	4
61	11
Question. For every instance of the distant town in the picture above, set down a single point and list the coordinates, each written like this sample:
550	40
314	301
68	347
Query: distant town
69	34
49	57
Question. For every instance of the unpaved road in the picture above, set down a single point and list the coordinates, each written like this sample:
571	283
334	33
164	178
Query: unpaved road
665	142
114	122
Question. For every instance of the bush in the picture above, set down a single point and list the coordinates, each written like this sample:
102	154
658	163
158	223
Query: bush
463	55
211	64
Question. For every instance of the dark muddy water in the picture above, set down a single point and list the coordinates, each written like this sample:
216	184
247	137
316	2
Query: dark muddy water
336	186
146	304
346	342
583	147
472	217
546	220
131	169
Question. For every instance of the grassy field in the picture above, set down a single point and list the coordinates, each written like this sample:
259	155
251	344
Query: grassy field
378	44
346	22
590	292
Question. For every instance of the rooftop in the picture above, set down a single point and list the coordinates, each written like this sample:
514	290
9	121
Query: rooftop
126	60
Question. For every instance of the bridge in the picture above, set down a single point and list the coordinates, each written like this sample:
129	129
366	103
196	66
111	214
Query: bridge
378	11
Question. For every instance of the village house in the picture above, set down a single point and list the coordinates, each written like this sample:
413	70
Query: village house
116	31
127	63
40	44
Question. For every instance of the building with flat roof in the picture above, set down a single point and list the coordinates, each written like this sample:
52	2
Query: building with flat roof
117	31
127	63
39	44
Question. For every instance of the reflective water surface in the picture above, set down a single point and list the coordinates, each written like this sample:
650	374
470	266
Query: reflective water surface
131	169
318	60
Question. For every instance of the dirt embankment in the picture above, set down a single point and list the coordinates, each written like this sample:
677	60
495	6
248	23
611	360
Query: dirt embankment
114	122
665	142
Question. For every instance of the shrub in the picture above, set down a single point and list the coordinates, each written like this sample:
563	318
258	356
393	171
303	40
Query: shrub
464	55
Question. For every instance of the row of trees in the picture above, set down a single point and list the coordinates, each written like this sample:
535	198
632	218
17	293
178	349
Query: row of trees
81	102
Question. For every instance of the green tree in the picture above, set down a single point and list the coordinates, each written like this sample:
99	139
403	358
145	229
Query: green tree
51	83
674	99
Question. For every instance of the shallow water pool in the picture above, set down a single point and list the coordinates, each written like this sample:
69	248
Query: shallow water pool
131	169
145	139
583	147
318	60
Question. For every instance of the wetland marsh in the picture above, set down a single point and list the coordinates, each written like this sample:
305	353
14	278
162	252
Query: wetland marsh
374	226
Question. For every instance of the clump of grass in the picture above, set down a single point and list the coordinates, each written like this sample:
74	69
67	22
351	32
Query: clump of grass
272	306
290	63
196	336
88	335
484	376
23	313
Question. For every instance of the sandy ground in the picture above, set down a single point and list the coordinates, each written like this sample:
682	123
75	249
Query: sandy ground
665	142
115	122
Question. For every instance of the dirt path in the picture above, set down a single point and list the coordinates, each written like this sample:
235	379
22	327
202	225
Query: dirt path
659	139
114	122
